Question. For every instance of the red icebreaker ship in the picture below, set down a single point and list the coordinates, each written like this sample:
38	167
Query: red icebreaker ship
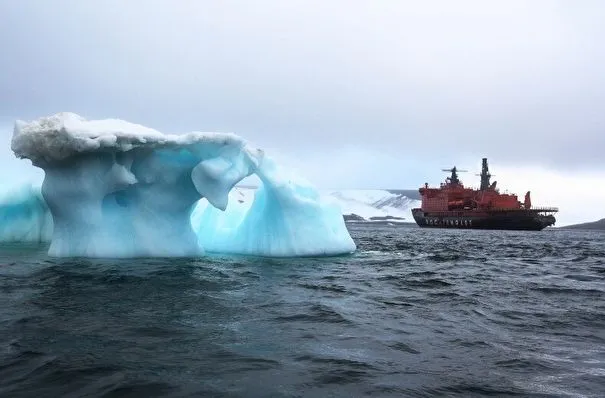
452	205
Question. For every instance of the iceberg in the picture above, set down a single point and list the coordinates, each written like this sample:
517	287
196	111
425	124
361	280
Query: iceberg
24	216
118	189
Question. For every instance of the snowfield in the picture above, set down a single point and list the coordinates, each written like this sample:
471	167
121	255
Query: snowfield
369	204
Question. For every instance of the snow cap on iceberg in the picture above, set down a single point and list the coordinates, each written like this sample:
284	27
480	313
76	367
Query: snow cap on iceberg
65	134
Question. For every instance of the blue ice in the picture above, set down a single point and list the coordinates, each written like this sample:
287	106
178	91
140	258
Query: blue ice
116	189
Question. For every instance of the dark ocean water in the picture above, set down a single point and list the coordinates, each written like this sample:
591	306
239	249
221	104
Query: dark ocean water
413	313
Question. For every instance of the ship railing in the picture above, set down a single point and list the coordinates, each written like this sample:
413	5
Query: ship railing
458	212
533	208
493	209
545	209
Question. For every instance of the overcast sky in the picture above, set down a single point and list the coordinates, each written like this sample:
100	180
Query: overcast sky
355	94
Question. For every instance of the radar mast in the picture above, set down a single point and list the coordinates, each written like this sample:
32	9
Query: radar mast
453	179
485	175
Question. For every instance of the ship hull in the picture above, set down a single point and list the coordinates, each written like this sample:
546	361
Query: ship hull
517	220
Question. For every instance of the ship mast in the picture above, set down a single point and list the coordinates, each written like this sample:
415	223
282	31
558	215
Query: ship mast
453	179
485	175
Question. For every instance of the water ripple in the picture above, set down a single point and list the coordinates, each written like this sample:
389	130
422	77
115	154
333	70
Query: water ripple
414	312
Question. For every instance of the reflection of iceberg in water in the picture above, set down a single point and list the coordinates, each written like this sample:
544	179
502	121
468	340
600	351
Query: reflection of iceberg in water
117	189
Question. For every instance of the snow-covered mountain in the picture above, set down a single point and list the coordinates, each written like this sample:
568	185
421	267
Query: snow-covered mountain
358	204
375	205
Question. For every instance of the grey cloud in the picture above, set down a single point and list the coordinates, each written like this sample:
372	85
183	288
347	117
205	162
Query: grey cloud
434	83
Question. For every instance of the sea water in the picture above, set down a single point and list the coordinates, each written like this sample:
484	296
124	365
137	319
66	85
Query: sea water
414	312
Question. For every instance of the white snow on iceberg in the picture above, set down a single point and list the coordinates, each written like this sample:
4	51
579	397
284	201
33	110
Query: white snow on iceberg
117	189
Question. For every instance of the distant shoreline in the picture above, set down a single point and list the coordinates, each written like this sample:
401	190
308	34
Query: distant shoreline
588	226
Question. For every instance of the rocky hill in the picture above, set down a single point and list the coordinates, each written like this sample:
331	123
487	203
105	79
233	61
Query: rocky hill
595	225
